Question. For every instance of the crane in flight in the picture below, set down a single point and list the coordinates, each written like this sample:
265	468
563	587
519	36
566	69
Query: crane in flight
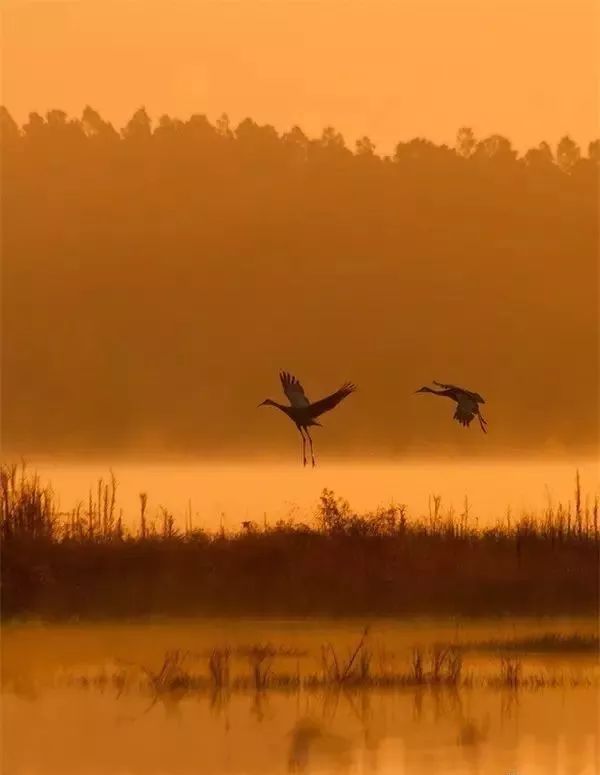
304	413
467	403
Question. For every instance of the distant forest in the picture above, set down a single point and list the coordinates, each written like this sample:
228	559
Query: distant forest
156	278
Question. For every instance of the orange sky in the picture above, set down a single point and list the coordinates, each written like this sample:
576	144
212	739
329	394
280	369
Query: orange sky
392	69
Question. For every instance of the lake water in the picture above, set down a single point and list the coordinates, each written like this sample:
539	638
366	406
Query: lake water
228	493
53	728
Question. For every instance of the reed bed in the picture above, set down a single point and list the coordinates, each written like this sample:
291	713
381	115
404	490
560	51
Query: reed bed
267	670
86	563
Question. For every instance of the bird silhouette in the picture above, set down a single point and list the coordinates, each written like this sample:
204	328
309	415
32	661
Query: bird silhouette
304	413
467	403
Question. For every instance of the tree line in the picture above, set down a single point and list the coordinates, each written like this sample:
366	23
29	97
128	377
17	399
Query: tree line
156	277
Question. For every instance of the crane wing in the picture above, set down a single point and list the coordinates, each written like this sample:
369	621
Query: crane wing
293	390
463	415
448	387
327	403
475	396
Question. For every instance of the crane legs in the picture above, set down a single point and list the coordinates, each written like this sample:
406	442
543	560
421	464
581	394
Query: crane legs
303	446
312	454
482	422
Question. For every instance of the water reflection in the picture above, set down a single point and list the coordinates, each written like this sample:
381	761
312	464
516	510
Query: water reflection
416	732
311	741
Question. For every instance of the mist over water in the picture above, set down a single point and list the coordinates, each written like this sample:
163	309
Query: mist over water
227	493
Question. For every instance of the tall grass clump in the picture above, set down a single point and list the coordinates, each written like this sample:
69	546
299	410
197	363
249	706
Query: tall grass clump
27	510
441	664
87	563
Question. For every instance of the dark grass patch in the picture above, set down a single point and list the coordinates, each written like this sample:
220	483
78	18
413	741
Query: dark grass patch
549	642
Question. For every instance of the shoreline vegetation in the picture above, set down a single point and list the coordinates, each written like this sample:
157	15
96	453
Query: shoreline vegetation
87	564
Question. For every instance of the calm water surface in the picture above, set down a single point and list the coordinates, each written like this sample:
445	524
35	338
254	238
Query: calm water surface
50	727
228	493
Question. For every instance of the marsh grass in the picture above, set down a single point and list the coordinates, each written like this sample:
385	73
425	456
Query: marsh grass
546	643
86	563
441	664
186	672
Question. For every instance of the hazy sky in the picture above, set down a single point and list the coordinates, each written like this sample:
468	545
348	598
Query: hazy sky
392	69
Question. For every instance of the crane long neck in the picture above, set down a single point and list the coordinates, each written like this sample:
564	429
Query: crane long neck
278	406
448	393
